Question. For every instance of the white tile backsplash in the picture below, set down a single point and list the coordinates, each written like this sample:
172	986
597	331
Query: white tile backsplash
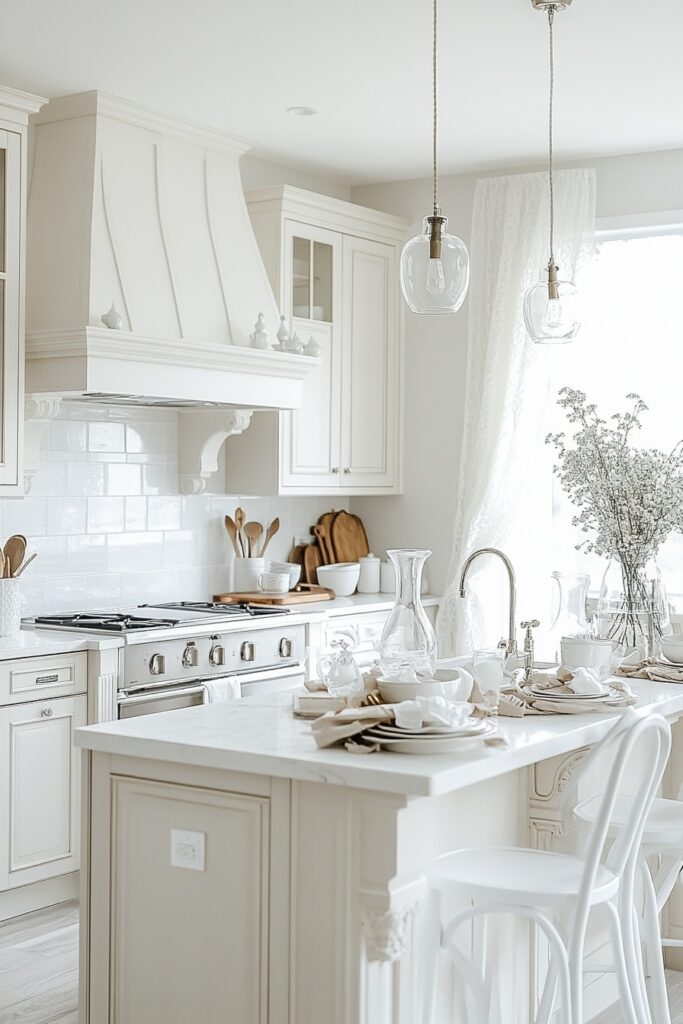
109	526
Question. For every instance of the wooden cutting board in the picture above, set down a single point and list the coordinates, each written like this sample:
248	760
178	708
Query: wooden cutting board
312	559
304	596
349	539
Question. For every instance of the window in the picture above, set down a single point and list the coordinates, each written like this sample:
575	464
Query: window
631	340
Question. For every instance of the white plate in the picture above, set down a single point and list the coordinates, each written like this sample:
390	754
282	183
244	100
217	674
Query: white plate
552	695
432	730
432	744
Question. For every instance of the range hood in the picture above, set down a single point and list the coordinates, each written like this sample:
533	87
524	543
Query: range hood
144	212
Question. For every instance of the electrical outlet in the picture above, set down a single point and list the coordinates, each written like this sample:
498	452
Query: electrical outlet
301	538
188	849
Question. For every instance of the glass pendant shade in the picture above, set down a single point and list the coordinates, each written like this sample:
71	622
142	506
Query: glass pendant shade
435	284
551	311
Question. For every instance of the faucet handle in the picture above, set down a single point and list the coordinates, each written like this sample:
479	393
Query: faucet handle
531	624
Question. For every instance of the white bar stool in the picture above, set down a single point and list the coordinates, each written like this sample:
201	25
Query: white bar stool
663	840
557	892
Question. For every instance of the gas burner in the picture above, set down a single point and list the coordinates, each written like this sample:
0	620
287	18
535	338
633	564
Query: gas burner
216	608
103	622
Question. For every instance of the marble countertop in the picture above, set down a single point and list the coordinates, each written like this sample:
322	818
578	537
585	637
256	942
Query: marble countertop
32	643
259	735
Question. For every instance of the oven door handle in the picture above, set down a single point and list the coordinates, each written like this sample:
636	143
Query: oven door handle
151	696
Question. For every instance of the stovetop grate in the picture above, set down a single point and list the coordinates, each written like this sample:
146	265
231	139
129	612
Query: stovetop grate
115	622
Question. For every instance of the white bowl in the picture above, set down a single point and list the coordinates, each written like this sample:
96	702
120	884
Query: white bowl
672	648
585	653
456	684
342	577
290	567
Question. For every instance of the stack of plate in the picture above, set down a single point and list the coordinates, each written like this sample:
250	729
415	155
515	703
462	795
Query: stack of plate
430	739
562	693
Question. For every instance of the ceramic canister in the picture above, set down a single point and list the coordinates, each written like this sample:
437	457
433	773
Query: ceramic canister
369	578
247	572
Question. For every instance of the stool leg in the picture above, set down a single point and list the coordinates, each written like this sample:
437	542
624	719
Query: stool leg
623	975
653	947
430	955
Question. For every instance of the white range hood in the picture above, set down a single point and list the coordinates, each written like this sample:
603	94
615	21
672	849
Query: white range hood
146	211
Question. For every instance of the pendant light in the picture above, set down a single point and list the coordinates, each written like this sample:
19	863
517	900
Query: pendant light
550	307
435	266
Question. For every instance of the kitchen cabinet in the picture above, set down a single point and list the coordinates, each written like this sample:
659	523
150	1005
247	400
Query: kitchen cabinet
39	789
14	110
334	269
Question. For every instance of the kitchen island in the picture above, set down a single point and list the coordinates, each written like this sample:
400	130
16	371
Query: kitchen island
233	872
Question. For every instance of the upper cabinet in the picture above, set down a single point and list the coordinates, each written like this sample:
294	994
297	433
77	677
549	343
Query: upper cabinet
334	270
15	108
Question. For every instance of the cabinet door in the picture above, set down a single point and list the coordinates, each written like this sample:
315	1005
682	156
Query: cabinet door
11	319
39	790
310	438
371	366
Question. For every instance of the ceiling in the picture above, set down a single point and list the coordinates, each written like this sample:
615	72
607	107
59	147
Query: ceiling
365	66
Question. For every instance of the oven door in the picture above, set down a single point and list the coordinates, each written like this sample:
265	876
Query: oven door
153	700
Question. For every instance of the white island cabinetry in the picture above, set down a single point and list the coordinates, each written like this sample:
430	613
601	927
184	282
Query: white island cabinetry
300	874
334	269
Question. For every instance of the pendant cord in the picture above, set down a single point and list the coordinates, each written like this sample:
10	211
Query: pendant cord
435	111
551	103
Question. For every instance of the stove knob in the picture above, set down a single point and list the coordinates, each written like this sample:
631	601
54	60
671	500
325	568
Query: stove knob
157	664
190	656
285	647
247	651
217	655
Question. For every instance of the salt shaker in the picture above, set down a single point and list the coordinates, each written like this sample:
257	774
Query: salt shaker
368	581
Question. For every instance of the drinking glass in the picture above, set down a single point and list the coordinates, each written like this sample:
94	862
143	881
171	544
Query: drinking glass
488	672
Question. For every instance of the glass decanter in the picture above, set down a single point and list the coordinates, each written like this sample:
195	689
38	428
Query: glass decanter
408	639
571	618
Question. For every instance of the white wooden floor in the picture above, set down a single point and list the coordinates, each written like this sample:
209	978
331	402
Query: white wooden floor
39	967
39	971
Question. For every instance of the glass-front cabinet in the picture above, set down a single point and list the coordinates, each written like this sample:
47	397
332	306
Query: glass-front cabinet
14	110
333	268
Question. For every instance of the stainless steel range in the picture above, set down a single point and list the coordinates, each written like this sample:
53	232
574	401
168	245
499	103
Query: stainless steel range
170	652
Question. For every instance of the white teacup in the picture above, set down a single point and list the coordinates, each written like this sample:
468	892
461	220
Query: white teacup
274	582
582	652
288	567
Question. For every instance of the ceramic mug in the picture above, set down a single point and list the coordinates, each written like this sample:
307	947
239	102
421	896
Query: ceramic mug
578	652
274	582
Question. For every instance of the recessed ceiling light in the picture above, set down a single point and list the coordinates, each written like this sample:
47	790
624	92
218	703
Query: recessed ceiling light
301	111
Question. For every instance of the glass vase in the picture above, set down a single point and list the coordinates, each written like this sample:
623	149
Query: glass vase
633	609
408	639
571	618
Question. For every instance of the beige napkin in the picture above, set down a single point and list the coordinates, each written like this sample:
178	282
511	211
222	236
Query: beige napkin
654	669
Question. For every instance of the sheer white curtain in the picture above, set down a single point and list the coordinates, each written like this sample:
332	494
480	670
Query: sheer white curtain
504	489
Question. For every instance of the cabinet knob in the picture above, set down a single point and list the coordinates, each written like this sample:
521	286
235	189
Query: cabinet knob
347	469
46	712
335	469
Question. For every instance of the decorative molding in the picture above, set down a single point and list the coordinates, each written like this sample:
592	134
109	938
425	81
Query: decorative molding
105	697
158	189
112	245
328	212
215	428
388	932
25	103
564	770
105	105
128	347
38	411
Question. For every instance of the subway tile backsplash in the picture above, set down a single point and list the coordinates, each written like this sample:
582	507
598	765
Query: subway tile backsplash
109	525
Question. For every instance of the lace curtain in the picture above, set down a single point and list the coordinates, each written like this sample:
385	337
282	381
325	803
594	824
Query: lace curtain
504	494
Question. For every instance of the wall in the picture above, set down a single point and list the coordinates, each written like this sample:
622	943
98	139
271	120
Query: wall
436	347
109	526
258	173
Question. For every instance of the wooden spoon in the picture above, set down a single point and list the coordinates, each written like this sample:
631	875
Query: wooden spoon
14	550
252	532
239	521
272	530
231	527
324	544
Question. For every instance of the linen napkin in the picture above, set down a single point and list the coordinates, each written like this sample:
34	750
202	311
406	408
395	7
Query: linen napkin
654	669
623	696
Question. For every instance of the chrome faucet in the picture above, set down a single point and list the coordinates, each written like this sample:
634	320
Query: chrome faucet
511	643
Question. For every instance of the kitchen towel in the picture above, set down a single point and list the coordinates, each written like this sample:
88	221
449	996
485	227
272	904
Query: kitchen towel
654	669
220	691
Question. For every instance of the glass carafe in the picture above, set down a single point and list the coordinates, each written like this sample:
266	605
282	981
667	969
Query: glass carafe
408	639
571	618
